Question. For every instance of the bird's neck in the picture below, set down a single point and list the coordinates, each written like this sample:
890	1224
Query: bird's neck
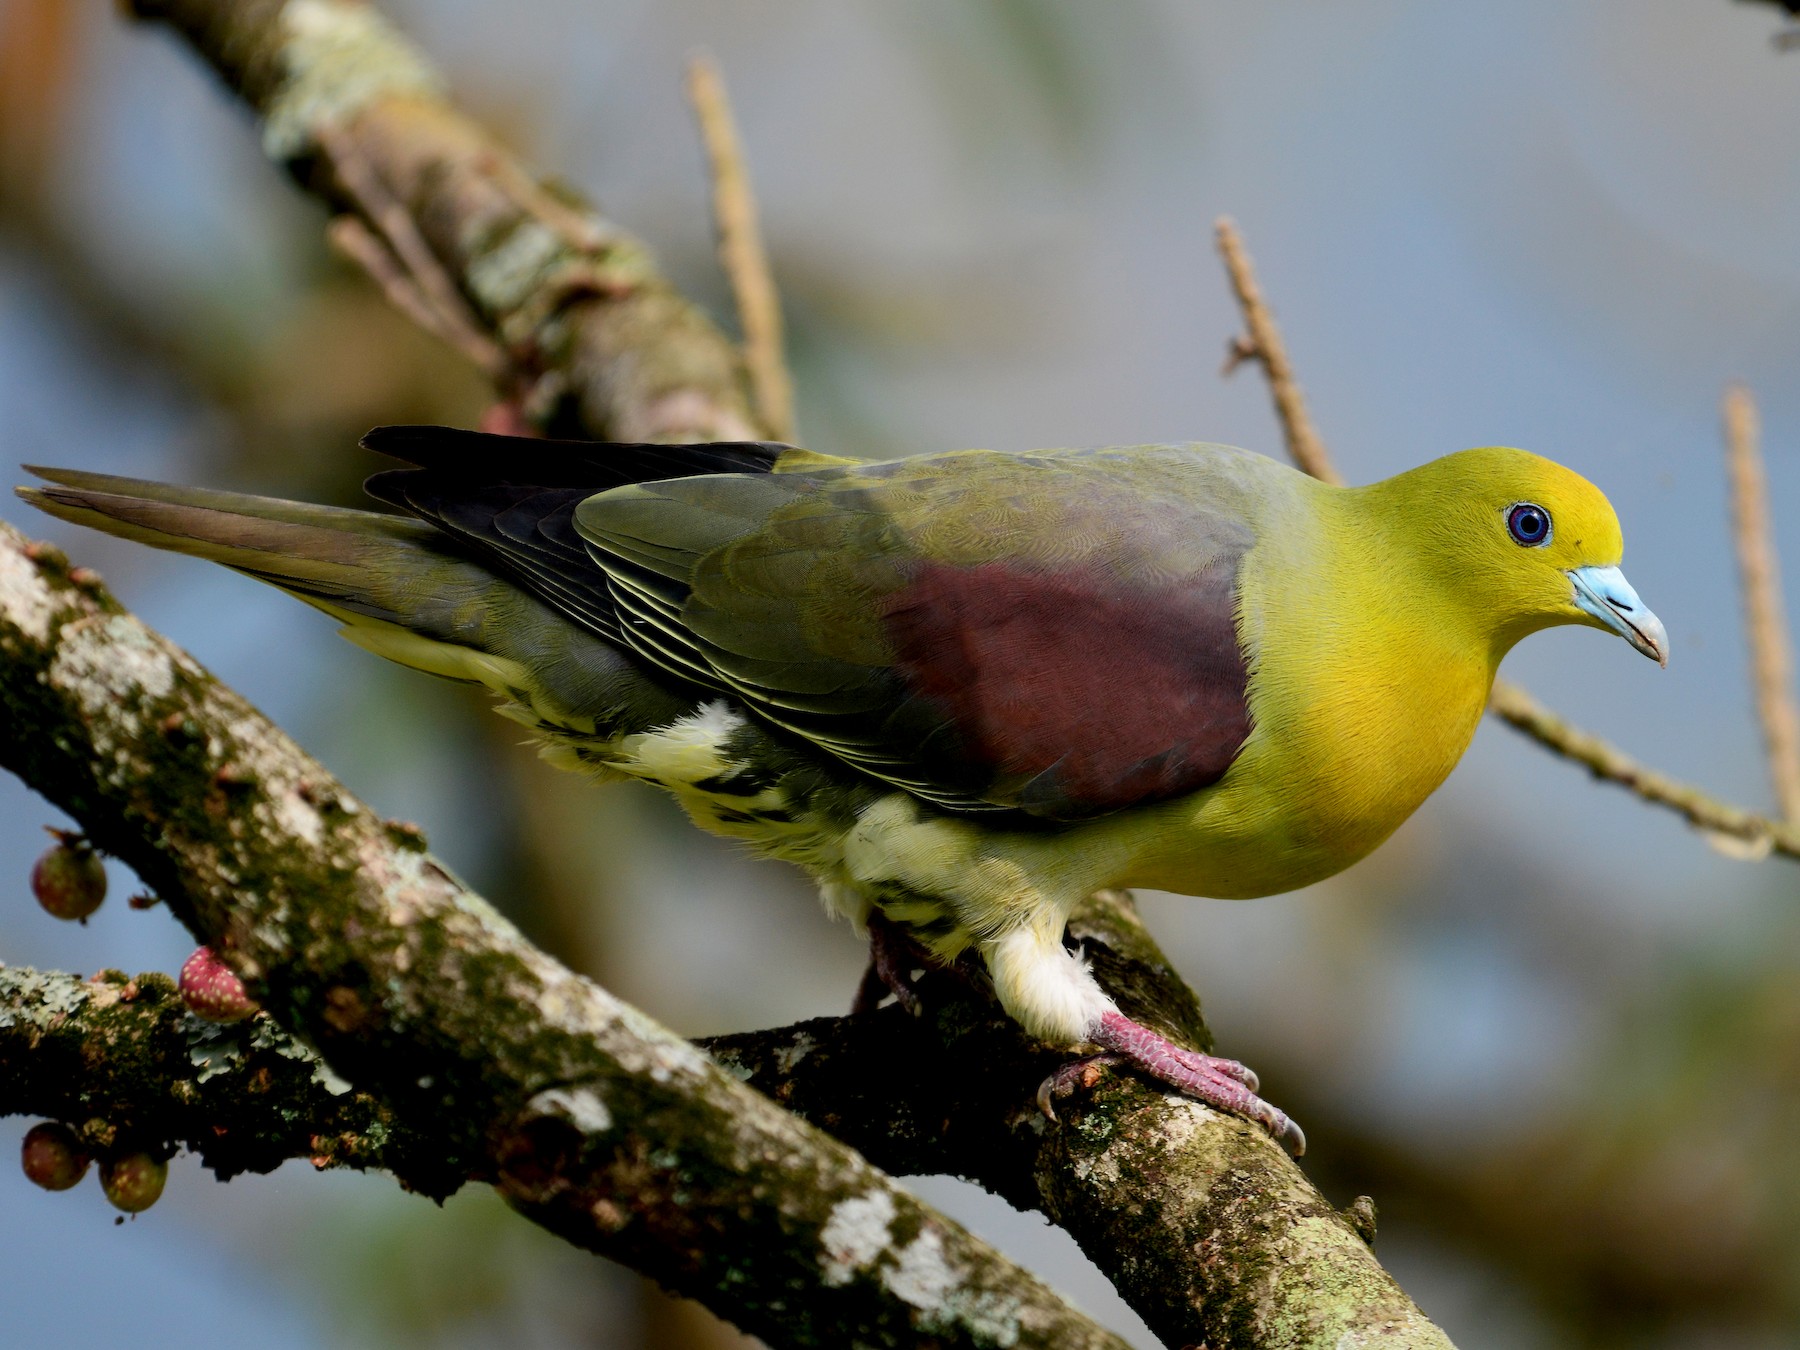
1384	672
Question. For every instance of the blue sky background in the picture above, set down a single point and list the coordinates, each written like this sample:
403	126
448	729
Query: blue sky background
1561	226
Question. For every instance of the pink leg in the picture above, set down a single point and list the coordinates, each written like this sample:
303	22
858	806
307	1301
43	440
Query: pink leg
1221	1083
893	957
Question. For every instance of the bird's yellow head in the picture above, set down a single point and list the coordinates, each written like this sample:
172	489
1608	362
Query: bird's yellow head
1522	543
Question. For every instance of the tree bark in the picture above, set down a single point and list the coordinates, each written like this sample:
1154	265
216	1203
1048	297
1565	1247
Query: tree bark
589	1117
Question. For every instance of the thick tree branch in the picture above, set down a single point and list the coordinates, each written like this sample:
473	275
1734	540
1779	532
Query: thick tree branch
592	1120
126	1059
596	340
1134	1174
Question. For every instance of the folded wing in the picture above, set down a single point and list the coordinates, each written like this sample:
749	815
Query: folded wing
1053	634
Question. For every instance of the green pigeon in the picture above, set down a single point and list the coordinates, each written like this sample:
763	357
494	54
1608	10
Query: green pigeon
962	690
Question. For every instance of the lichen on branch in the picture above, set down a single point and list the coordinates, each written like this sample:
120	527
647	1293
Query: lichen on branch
123	1057
595	339
590	1118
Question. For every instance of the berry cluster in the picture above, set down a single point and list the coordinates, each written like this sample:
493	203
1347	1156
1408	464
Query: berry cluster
69	881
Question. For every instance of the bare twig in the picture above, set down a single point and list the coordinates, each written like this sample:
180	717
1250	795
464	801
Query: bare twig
395	254
1732	829
1765	618
1262	343
741	251
351	236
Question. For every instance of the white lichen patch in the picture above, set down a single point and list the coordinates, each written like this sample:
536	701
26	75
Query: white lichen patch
1101	1168
790	1055
113	661
506	276
266	1035
297	818
26	600
854	1235
38	998
1184	1119
214	1049
415	885
990	1316
921	1275
669	1056
733	1065
339	58
582	1107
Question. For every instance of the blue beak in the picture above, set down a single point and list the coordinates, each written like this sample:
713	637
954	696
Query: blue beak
1604	593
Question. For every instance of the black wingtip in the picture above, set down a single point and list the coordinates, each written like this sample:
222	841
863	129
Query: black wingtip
395	441
488	457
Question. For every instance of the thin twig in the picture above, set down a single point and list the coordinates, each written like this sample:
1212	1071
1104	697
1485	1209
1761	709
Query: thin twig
1732	829
353	238
1262	344
1729	828
400	260
741	251
1765	618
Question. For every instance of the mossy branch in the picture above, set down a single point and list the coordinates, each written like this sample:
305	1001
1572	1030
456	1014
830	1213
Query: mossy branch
590	1118
124	1058
1210	1232
567	311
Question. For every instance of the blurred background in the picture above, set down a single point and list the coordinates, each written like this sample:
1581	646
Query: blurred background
1552	1033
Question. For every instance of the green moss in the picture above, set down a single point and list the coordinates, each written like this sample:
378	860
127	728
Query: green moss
337	58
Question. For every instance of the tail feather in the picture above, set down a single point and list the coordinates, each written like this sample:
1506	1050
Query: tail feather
213	499
401	588
346	559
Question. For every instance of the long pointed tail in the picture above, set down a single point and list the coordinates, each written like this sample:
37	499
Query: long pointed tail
399	587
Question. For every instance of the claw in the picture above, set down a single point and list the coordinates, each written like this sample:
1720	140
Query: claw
1221	1083
1291	1137
1080	1073
1242	1072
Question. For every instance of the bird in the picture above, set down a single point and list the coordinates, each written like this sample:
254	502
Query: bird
962	690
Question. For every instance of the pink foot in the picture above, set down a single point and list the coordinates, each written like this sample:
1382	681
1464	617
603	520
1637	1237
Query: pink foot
893	957
1221	1083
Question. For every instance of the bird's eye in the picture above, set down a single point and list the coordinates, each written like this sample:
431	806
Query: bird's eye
1528	524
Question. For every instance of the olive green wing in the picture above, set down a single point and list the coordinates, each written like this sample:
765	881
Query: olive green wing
1050	633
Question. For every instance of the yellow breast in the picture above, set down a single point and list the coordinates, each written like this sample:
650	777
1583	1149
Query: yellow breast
1363	697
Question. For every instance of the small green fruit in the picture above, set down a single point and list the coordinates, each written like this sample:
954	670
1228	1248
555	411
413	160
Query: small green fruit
133	1181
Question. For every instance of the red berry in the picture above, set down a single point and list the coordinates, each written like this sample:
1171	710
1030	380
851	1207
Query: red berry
133	1181
69	880
212	990
53	1157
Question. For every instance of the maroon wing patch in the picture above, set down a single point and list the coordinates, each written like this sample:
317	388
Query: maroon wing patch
1081	694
